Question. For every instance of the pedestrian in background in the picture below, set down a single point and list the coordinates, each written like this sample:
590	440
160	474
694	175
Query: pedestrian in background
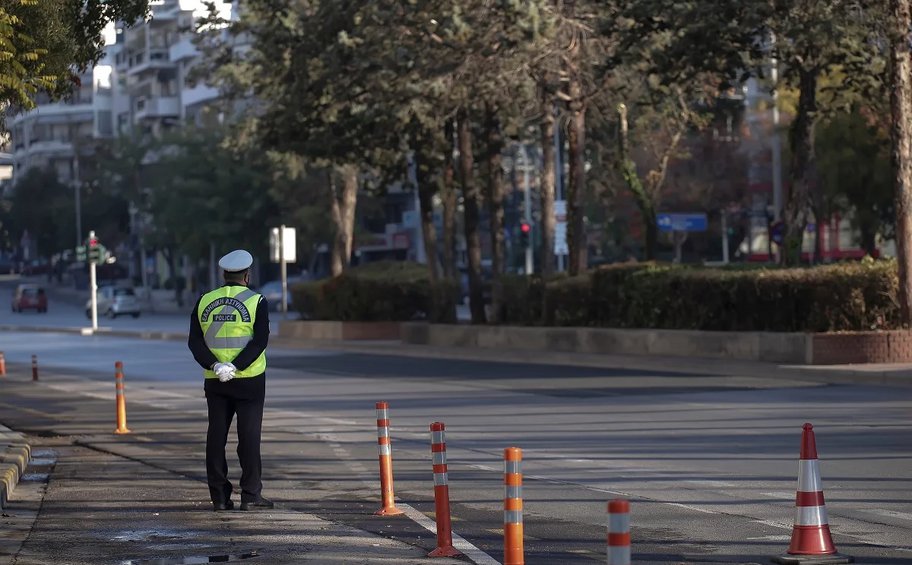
229	331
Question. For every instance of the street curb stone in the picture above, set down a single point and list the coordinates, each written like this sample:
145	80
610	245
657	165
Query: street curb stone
15	454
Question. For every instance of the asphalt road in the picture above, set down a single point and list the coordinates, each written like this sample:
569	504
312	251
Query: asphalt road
709	462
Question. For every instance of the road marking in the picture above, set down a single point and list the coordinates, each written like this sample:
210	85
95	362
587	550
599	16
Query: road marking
892	514
707	483
771	538
790	496
477	556
689	507
773	524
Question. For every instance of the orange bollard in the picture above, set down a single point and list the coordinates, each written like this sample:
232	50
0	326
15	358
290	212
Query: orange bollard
441	494
619	532
513	507
121	400
2	365
34	367
386	462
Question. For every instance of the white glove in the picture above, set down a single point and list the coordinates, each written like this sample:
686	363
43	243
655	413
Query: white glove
225	371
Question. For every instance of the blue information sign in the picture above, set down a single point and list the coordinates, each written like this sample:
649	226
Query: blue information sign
682	222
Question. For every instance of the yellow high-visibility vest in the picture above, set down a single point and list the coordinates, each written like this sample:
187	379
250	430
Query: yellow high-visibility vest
226	316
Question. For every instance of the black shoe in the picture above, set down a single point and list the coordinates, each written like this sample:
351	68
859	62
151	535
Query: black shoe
258	504
221	506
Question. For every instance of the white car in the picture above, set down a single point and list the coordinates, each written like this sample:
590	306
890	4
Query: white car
272	292
115	301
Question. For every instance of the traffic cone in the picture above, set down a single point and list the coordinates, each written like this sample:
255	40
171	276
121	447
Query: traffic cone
811	540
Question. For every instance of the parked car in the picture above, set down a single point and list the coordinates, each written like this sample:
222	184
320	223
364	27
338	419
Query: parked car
28	296
115	301
272	292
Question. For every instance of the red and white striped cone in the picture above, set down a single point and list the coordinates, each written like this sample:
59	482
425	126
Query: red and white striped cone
811	540
385	452
619	532
441	494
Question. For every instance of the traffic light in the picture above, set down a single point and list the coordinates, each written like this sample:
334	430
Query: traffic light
94	249
525	232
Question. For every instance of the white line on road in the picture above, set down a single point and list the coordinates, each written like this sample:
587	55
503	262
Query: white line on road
892	514
476	555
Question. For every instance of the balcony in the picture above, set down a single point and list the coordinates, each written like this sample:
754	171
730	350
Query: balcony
157	107
47	148
153	60
183	49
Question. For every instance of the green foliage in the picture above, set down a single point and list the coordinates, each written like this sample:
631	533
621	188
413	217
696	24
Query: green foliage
611	292
203	192
568	301
524	298
842	297
853	155
43	43
384	291
50	222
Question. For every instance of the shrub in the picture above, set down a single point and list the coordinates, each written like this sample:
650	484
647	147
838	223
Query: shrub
524	298
383	291
842	297
568	301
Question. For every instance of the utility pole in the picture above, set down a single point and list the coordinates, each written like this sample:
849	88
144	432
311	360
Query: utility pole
776	140
558	183
527	206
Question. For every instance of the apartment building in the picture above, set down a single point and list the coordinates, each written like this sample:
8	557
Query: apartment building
61	134
141	86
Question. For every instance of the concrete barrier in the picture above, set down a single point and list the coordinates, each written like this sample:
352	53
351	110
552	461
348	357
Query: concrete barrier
786	348
318	330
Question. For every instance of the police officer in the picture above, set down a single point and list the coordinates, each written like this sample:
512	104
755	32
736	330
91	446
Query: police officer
229	331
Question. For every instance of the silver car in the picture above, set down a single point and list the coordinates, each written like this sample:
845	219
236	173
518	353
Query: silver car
115	301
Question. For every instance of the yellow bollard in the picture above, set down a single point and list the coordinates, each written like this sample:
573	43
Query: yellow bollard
121	401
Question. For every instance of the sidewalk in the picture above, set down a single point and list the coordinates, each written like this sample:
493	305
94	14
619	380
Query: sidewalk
89	497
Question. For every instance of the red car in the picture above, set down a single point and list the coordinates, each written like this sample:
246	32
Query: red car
29	296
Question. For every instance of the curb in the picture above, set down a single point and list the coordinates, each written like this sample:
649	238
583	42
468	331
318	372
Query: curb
830	374
13	461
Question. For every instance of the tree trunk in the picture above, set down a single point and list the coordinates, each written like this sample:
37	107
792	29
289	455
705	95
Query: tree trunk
576	189
802	142
426	202
901	132
635	186
343	216
495	198
450	201
547	184
471	203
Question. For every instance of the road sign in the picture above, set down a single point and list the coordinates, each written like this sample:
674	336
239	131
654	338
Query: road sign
288	249
560	228
682	222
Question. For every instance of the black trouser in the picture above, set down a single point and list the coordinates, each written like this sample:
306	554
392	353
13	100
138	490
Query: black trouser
244	397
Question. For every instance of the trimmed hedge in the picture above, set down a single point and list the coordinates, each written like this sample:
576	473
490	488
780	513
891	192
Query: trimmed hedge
842	297
382	291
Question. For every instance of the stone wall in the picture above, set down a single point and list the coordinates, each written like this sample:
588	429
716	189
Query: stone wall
786	348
